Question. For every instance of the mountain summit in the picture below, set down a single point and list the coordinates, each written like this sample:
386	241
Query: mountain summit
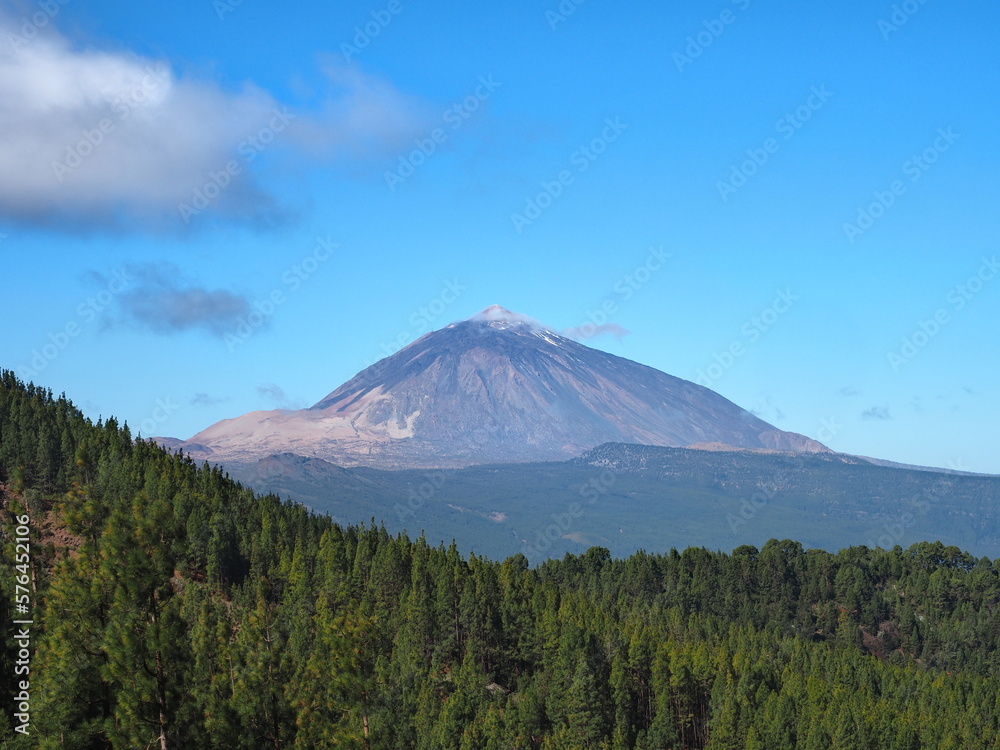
499	387
501	315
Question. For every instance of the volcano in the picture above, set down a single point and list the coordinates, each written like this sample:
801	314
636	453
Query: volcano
496	388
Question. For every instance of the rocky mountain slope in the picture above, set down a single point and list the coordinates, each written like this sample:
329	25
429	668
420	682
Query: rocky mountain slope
498	387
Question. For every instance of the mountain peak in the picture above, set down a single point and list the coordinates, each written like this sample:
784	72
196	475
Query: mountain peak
501	315
497	311
498	387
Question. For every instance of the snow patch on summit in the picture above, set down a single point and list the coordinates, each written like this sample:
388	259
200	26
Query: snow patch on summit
498	314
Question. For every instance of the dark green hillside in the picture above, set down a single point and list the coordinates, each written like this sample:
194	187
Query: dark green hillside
176	609
634	497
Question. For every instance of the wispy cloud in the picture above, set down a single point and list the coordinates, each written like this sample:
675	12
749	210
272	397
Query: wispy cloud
848	391
589	331
113	140
767	410
275	396
203	399
876	412
161	300
361	118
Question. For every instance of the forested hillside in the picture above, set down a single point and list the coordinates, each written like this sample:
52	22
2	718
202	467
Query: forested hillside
176	609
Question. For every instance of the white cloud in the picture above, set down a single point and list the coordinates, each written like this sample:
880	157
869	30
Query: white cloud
163	135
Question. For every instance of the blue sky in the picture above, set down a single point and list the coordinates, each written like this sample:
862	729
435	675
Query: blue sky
209	208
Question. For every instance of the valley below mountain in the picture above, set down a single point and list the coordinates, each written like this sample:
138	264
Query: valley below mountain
633	497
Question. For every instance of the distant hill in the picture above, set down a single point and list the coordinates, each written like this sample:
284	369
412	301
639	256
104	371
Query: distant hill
631	497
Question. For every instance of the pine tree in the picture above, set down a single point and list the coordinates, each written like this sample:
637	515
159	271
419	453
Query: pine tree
145	640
